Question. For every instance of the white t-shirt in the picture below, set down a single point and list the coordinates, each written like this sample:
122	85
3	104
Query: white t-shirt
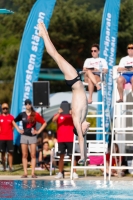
126	61
95	63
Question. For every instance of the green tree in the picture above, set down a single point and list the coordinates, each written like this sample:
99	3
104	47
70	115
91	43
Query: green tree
73	30
12	27
74	27
125	35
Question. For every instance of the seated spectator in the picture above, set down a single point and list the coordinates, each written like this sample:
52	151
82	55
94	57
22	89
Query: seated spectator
44	134
38	147
49	137
44	156
39	143
92	67
125	78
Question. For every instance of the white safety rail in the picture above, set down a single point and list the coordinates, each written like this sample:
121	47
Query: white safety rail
122	129
95	147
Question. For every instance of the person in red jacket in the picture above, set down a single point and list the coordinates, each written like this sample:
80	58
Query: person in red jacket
65	135
29	119
6	135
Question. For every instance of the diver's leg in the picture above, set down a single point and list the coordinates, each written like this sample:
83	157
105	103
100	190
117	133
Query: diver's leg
67	69
78	127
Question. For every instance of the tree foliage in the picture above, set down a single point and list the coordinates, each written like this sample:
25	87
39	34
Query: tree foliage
73	30
74	27
125	35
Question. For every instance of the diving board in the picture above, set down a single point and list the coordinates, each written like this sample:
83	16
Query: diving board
5	11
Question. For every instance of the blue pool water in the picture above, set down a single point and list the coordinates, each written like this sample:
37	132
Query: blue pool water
66	189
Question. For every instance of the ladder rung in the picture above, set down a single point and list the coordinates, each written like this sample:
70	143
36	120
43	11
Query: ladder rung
121	167
90	154
97	103
94	116
124	103
122	154
123	132
96	132
89	141
123	116
121	129
96	141
96	154
88	167
96	128
123	141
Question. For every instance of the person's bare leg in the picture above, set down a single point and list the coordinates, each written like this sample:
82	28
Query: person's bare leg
3	158
85	126
114	172
85	78
78	126
40	156
75	162
85	148
24	148
132	83
61	163
10	160
97	78
67	69
90	89
93	79
120	83
33	158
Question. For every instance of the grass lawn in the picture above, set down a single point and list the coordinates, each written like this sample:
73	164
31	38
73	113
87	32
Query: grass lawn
18	170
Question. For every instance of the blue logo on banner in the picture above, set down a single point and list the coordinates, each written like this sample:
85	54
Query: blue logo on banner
30	57
108	45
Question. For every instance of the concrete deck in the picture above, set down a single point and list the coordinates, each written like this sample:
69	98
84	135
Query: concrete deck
16	177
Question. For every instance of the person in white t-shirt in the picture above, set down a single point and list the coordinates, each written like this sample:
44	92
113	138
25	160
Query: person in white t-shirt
125	78
91	67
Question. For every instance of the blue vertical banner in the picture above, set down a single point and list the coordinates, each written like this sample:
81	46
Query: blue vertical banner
108	46
30	57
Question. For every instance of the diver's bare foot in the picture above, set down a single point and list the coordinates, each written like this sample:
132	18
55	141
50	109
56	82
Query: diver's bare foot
85	126
42	29
98	86
40	26
89	101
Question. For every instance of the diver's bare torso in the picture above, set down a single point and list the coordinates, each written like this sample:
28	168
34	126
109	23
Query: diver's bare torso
79	101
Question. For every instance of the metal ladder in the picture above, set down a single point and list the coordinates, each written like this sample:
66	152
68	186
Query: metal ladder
98	143
120	130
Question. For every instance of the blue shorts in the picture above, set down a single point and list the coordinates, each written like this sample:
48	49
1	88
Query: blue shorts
127	77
